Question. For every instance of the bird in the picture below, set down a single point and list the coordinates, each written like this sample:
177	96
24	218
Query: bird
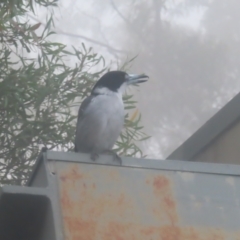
101	115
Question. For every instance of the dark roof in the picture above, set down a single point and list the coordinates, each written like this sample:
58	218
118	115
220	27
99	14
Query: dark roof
212	129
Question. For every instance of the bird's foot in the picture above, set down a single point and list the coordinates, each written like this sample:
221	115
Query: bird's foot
115	156
94	156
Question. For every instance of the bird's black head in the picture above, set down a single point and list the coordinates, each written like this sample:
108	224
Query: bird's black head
118	80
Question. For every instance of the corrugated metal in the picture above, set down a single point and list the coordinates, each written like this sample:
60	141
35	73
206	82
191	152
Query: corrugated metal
102	202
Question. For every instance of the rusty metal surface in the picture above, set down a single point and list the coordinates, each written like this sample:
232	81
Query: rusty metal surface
100	202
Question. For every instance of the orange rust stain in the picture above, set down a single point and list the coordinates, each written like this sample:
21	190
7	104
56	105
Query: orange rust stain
113	174
117	231
65	200
75	175
165	205
170	233
193	234
83	212
135	232
63	178
121	199
72	175
160	182
84	229
167	232
217	237
113	215
148	231
169	202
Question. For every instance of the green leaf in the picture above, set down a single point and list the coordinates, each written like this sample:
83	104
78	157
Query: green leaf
39	96
34	27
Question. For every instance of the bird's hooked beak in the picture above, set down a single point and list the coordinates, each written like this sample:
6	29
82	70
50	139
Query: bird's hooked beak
135	78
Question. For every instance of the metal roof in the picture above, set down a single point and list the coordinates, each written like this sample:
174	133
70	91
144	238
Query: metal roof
71	197
212	129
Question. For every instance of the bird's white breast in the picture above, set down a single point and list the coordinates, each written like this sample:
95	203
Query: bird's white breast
106	111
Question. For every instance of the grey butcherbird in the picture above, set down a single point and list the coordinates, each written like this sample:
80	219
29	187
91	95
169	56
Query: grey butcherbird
101	115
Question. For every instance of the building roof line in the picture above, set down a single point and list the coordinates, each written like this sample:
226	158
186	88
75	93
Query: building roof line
206	134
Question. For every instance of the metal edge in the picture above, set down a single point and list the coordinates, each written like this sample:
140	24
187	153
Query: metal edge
51	190
25	190
35	168
174	165
206	134
54	198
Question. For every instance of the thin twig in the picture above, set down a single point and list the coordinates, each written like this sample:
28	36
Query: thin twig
58	31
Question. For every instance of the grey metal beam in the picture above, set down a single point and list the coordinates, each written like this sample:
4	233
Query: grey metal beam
24	190
148	163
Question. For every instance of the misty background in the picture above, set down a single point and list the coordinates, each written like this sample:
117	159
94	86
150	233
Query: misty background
189	48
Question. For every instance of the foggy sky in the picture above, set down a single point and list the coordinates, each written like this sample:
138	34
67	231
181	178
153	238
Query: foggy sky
190	50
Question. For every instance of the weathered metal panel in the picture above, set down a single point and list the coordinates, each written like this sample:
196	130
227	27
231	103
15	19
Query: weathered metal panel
103	202
142	199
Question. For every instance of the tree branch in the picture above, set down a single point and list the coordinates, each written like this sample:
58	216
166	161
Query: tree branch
58	31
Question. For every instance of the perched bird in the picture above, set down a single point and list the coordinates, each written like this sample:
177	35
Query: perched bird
101	115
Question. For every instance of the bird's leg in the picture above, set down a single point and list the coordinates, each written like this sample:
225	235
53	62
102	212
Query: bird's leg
94	156
115	155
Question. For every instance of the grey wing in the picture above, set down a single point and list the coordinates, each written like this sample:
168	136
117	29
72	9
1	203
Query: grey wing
81	113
